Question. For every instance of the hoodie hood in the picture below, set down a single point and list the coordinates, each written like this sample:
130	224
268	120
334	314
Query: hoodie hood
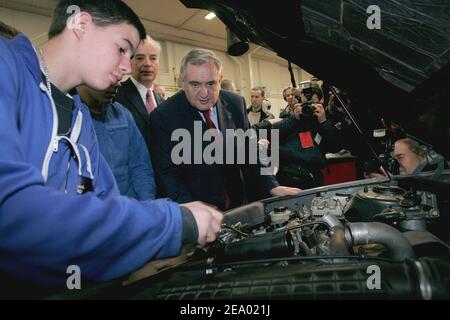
27	54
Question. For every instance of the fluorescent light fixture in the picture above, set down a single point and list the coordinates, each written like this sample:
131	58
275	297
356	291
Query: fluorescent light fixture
210	16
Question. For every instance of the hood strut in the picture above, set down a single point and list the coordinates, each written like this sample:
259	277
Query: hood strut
358	128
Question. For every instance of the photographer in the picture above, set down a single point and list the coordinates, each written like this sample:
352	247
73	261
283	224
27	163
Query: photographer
305	136
411	157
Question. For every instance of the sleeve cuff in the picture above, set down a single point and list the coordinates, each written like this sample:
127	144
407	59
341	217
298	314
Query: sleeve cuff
190	230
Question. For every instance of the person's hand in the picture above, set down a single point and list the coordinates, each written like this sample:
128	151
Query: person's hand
319	112
208	219
297	111
370	175
275	120
284	191
380	174
263	144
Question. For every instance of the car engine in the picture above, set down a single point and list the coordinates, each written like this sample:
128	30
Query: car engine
366	239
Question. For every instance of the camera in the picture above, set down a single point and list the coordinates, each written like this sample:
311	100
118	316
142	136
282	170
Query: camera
383	141
306	89
307	107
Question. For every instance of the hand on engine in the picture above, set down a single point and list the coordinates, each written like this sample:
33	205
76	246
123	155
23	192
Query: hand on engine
208	219
284	191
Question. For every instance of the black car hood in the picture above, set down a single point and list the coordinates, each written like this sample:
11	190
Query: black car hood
400	72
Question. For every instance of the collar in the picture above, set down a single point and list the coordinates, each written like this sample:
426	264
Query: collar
214	115
141	88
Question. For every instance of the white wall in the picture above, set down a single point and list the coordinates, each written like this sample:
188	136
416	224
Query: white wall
33	25
259	67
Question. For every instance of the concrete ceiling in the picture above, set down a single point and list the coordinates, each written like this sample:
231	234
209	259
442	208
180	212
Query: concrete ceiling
174	14
163	19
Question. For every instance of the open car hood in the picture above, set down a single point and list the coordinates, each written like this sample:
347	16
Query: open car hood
400	71
324	243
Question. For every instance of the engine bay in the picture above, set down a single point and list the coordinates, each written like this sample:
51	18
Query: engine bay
366	239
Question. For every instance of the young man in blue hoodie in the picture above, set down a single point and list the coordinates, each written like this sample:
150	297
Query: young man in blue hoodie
59	204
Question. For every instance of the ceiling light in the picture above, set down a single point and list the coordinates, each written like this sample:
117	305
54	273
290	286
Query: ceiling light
210	15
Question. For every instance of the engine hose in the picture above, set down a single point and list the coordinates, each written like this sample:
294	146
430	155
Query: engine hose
362	233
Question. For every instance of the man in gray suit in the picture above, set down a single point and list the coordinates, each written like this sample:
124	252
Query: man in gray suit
136	93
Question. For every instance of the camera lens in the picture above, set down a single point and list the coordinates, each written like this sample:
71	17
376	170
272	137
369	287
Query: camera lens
308	109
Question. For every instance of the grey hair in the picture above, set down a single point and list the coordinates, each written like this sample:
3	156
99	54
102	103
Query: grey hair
198	57
153	42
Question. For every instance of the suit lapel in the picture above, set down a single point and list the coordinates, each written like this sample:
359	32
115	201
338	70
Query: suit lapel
135	99
225	118
190	114
224	115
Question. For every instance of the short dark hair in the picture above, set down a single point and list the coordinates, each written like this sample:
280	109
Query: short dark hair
261	89
7	31
103	12
316	89
227	85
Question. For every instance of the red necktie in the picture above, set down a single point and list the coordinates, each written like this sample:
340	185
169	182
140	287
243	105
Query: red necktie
149	102
210	125
209	122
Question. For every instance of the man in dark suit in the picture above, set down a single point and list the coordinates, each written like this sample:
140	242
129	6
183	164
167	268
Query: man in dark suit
136	93
200	106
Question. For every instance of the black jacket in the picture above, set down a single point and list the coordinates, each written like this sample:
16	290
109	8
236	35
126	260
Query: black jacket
206	182
128	95
326	138
263	115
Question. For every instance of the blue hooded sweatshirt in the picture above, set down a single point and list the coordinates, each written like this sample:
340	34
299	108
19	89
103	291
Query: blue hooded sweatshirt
47	223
